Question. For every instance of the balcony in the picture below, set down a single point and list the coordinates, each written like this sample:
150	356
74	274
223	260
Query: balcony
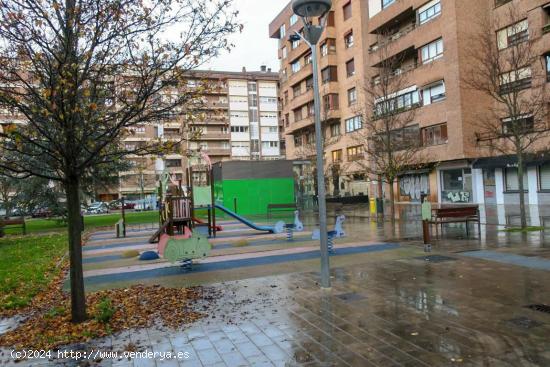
303	98
392	38
303	73
213	152
299	125
215	136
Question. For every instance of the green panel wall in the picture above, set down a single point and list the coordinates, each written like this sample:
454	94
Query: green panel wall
253	195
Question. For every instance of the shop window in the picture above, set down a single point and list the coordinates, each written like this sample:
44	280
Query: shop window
544	177
456	185
512	181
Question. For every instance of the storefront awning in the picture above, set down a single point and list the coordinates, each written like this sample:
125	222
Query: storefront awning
505	161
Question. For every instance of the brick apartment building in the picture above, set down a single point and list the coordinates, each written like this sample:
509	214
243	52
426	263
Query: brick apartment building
238	121
433	40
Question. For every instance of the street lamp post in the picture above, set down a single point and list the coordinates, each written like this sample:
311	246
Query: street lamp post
308	10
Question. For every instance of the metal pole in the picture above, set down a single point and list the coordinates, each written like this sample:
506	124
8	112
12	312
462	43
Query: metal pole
325	265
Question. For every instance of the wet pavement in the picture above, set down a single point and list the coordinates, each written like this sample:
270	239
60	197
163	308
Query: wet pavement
475	301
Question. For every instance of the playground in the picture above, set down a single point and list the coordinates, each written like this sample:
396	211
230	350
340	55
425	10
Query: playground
242	224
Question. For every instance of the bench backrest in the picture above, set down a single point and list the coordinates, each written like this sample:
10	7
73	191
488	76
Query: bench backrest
9	222
456	212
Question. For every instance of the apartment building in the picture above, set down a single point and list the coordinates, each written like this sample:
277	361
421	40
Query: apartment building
237	120
433	41
342	72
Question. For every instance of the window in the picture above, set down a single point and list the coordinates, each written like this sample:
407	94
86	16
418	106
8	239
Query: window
512	181
295	44
429	11
519	125
544	177
331	102
224	130
253	115
337	156
297	141
348	39
386	3
253	100
434	135
173	163
293	19
295	66
433	93
432	51
269	129
297	90
284	52
307	59
328	47
350	68
547	62
352	96
298	114
347	10
353	124
252	87
513	35
355	153
404	138
309	83
239	129
330	19
335	130
270	144
404	100
282	32
515	80
329	74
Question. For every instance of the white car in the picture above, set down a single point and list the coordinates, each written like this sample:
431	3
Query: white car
98	208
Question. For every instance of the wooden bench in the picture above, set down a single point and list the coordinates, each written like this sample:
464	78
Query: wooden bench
12	223
456	214
279	207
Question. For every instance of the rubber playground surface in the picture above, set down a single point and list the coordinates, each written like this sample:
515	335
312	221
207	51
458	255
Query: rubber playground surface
238	252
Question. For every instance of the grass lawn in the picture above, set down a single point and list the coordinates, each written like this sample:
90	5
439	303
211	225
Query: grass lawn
90	221
526	229
27	265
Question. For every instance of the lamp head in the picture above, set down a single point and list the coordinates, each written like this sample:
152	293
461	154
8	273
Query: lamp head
311	8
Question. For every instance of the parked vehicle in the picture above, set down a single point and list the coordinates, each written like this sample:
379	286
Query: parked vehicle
97	208
117	204
42	213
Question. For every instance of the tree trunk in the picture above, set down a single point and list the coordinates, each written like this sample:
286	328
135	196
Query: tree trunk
78	298
392	201
521	172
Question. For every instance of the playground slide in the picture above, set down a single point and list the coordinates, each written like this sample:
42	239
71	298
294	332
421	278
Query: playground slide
244	220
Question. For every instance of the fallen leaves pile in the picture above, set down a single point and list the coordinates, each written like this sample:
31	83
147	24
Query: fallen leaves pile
49	325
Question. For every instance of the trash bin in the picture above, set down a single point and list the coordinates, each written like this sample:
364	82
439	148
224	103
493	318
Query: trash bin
373	206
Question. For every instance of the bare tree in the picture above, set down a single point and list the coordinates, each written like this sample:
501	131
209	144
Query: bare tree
391	143
84	73
508	70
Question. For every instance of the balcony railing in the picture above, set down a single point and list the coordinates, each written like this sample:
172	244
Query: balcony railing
515	86
394	37
546	29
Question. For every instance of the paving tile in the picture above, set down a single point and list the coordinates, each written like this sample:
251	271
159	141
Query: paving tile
248	349
234	359
260	339
209	356
237	336
201	344
259	361
224	346
274	352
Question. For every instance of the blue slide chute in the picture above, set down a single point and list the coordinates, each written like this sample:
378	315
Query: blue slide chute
244	220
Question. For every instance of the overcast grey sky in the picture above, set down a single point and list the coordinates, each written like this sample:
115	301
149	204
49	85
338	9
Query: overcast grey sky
253	47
